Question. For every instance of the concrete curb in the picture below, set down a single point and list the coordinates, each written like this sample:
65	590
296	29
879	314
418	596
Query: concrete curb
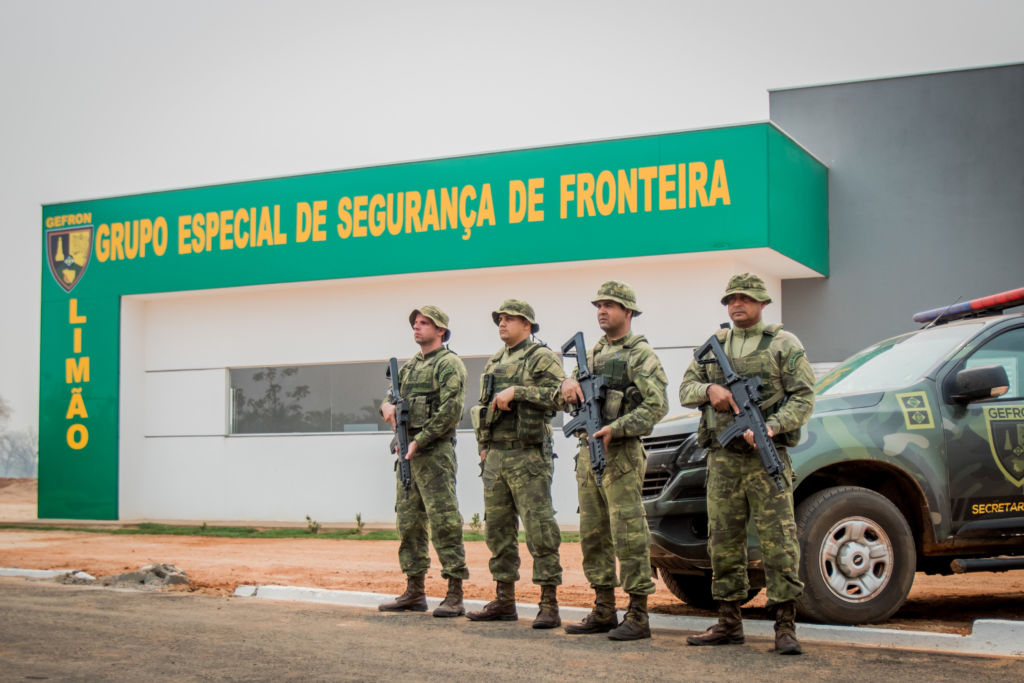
992	637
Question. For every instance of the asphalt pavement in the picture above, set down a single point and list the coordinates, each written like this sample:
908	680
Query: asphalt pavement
54	631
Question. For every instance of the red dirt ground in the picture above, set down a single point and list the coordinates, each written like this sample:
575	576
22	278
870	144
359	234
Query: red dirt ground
218	565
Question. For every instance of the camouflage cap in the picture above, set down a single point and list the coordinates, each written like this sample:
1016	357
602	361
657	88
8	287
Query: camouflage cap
619	292
436	315
749	284
519	308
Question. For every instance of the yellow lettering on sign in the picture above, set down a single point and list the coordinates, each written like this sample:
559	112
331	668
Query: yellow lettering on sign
76	407
516	201
647	174
412	212
534	214
76	370
605	193
719	184
698	179
73	317
565	194
344	217
78	436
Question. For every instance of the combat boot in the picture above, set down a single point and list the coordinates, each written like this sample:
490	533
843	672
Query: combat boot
451	606
785	629
602	618
414	599
728	630
547	613
502	608
635	625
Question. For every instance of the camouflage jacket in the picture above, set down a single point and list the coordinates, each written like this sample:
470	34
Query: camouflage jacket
634	370
435	387
786	374
535	373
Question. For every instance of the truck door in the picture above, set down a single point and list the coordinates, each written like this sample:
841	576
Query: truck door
985	446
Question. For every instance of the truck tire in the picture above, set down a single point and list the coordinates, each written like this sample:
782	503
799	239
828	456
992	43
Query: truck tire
695	589
857	556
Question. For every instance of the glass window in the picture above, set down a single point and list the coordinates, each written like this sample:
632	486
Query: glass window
340	397
896	362
1007	350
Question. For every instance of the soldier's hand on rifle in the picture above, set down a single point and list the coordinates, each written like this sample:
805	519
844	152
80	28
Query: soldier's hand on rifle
413	447
483	455
571	391
503	398
605	434
388	411
748	436
721	399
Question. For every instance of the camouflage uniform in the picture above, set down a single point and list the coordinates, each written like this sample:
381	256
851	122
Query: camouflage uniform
612	519
518	467
434	386
738	487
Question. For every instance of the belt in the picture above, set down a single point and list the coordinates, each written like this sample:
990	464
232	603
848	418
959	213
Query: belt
513	444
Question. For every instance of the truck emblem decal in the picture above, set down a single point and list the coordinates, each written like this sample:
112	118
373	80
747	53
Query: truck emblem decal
917	413
1006	440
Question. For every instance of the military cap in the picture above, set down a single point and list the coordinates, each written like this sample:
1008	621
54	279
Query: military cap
749	284
619	292
520	308
436	315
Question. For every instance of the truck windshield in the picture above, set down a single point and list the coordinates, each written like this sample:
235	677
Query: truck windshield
896	362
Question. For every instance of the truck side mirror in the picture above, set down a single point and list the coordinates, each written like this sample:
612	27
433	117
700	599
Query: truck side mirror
982	382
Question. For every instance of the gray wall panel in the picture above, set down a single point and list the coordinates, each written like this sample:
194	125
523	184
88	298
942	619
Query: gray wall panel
926	199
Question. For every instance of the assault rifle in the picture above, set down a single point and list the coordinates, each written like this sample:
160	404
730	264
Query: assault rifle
586	418
745	391
401	426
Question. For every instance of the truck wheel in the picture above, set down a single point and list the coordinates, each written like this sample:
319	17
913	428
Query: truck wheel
695	589
857	556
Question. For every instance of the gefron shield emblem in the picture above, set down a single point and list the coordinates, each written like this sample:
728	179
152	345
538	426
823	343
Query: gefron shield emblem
68	252
1006	439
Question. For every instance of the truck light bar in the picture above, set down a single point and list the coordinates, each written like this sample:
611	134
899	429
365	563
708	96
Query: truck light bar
975	307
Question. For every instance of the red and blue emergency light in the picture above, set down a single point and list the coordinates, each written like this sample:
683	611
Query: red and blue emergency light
973	308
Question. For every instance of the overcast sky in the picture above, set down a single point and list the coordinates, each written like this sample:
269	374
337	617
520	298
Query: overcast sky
111	98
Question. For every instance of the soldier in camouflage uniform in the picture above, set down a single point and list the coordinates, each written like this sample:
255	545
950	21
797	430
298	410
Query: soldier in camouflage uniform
434	384
518	397
738	487
612	519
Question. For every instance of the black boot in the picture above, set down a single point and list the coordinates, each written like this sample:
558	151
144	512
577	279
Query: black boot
785	629
634	625
728	630
547	613
502	608
451	606
602	618
414	599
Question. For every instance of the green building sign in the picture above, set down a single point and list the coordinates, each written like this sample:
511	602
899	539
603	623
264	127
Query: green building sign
712	190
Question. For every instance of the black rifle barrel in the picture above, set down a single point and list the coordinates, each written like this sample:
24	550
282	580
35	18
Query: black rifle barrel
401	426
586	418
746	393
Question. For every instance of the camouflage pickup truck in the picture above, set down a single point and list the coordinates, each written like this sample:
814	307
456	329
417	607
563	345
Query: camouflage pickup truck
912	461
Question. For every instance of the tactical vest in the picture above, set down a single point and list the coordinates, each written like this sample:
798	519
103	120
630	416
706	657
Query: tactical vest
418	384
525	422
623	395
755	364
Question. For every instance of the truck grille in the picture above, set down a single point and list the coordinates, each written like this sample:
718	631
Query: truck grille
658	445
654	482
661	456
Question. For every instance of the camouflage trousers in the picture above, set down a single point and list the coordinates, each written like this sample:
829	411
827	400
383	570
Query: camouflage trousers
517	485
739	490
431	501
612	519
